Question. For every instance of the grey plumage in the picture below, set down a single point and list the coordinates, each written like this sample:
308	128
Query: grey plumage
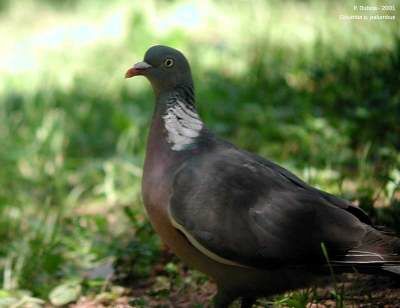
253	226
254	215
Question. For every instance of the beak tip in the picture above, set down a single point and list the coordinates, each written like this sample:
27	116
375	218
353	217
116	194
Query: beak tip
137	69
131	72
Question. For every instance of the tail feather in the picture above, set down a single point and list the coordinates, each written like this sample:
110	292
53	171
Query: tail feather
378	252
392	268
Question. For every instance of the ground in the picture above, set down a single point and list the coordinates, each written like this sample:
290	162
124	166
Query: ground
192	289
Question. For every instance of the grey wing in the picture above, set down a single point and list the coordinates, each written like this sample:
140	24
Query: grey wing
336	201
235	211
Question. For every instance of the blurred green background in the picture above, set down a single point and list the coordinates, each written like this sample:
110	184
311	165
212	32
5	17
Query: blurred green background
286	79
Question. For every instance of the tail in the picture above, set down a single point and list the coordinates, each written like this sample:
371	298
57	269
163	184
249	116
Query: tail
378	252
392	269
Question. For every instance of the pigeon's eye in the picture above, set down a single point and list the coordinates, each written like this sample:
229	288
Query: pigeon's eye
168	62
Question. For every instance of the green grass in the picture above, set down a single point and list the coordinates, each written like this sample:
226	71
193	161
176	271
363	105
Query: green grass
287	80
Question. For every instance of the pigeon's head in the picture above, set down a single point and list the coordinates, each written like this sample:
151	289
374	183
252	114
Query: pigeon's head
165	67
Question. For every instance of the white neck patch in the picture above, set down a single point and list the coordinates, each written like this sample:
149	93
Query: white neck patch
182	124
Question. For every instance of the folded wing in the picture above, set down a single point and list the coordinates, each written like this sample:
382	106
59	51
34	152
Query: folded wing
239	210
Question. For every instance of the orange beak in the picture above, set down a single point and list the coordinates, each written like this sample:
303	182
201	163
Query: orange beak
137	69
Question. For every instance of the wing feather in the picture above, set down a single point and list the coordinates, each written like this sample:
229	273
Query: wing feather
241	212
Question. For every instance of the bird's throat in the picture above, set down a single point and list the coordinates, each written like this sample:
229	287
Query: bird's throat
175	130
